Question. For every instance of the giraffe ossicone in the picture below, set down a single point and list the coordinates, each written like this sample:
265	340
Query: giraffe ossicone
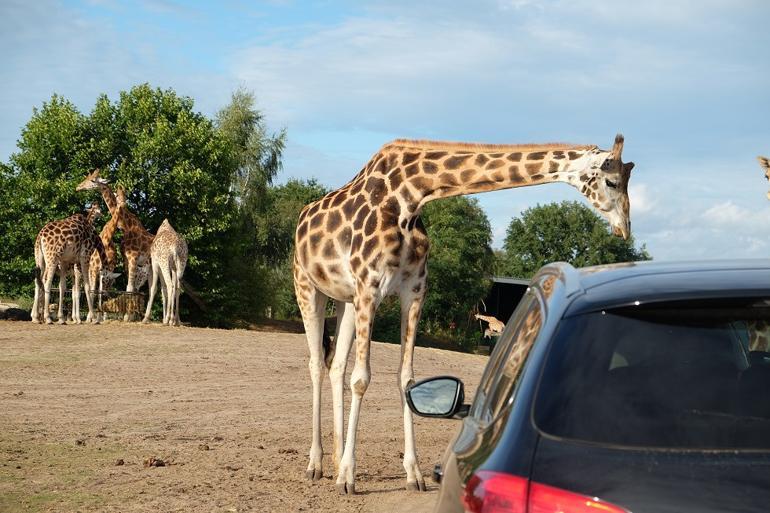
366	241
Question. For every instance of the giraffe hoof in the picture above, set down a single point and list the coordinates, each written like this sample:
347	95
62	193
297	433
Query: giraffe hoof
48	321
61	322
346	488
416	486
314	475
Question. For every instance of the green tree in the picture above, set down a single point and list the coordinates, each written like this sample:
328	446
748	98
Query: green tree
459	264
257	153
460	259
274	238
568	232
37	186
172	161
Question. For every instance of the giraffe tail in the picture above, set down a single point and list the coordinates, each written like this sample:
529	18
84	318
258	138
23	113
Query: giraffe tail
39	277
329	346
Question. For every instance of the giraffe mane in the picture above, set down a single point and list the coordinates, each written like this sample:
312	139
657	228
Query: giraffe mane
449	145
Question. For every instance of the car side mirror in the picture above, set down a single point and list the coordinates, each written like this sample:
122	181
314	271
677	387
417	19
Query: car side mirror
440	396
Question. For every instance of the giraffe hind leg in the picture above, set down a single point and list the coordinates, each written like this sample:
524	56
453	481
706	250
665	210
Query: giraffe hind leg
312	304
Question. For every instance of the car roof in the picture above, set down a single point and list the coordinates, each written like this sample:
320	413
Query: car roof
615	285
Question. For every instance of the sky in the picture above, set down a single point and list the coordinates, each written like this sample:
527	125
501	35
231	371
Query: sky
686	81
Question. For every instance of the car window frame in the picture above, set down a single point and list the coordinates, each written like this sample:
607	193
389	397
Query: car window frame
500	355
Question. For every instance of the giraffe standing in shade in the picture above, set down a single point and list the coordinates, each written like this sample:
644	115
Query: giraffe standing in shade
135	246
169	258
365	241
60	245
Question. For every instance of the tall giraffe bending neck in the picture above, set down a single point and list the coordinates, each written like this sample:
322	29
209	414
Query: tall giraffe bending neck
365	241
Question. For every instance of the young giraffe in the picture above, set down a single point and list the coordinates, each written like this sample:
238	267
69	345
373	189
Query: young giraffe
169	258
136	240
106	235
61	245
366	241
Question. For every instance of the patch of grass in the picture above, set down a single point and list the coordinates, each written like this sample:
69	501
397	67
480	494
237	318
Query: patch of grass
24	302
51	475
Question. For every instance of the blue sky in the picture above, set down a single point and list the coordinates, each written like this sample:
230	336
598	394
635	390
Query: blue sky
686	81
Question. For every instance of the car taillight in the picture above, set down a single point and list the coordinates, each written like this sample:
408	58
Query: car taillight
495	492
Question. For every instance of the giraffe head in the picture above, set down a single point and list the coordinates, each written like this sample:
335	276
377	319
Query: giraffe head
603	180
107	277
92	181
765	163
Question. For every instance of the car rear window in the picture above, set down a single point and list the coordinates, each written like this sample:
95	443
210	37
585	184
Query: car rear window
675	375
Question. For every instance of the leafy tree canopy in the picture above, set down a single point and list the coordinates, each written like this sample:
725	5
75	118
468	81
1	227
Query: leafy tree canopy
172	160
569	232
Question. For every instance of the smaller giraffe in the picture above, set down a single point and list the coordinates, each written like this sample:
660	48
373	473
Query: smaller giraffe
59	246
96	264
496	326
765	163
169	258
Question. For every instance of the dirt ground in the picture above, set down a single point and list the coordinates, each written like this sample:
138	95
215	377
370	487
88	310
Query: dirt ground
82	408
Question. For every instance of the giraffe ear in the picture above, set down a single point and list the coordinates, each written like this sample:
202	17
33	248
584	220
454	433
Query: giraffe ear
617	148
628	166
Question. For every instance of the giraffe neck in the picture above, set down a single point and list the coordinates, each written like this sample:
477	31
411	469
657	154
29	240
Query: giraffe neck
441	170
109	198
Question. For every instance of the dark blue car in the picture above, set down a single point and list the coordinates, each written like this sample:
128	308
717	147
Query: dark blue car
631	387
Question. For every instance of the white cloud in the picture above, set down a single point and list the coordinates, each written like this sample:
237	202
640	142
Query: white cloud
640	198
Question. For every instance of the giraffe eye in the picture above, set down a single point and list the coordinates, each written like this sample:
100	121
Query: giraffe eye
611	184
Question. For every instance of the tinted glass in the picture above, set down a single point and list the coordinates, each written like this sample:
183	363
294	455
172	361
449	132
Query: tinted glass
684	375
507	360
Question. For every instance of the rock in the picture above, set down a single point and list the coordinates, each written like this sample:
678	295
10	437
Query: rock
15	314
119	462
154	462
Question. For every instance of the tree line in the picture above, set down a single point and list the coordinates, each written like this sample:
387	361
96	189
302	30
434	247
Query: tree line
214	180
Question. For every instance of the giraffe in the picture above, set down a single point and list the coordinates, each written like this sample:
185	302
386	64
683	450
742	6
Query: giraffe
496	326
365	241
169	258
61	245
106	235
764	162
136	240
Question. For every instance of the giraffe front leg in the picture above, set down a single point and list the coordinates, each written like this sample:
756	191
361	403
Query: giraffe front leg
87	289
343	340
411	306
130	280
76	276
365	307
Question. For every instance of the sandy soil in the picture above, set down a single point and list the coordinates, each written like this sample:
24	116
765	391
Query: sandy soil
82	408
